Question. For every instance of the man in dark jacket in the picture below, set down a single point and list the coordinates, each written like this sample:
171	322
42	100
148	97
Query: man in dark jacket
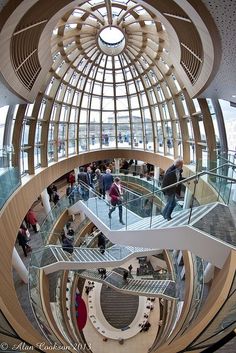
83	183
116	194
172	176
107	182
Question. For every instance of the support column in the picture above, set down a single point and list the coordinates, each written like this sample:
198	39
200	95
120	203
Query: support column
208	272
45	201
187	198
117	165
19	266
221	126
156	172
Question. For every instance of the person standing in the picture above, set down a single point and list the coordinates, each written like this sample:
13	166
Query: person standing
125	275
50	192
90	177
107	183
83	183
172	176
67	242
130	268
55	197
116	195
70	193
72	178
23	241
99	178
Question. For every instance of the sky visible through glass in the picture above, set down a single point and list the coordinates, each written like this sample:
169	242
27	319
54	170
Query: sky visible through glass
111	35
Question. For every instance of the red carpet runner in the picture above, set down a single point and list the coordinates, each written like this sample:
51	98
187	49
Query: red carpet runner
81	312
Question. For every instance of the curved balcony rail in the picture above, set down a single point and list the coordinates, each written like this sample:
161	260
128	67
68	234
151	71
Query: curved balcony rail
197	293
37	306
152	204
147	182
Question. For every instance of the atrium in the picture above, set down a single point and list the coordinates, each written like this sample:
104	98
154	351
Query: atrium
132	86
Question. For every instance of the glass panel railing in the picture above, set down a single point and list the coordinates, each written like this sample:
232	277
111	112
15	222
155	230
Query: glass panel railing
152	284
151	210
10	180
51	218
113	217
146	182
37	307
223	186
197	292
35	295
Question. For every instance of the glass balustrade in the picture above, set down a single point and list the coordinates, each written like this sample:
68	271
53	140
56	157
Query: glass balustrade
51	254
197	292
147	209
37	306
10	178
154	283
64	203
147	182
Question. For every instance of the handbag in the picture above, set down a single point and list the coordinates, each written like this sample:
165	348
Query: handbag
27	233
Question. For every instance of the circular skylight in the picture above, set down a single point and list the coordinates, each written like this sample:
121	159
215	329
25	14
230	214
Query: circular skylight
111	35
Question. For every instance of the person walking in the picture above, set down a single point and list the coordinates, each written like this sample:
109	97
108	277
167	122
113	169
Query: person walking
32	220
172	176
116	195
107	183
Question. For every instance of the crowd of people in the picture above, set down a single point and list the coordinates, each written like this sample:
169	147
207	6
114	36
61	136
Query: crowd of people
98	176
110	188
107	186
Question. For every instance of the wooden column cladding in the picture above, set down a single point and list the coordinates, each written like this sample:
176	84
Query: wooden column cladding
195	127
17	132
210	132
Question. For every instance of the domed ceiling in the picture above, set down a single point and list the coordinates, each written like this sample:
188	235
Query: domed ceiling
108	72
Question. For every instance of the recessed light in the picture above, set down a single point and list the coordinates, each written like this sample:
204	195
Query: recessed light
234	95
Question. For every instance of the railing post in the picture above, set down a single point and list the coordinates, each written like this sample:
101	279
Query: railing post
193	195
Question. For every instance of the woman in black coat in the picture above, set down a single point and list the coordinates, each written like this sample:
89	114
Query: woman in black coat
23	241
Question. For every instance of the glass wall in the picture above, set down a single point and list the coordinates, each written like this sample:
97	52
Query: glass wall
229	114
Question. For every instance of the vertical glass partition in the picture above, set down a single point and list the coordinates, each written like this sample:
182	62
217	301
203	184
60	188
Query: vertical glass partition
9	176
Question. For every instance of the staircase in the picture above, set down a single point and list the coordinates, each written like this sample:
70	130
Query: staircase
180	218
206	236
145	287
54	258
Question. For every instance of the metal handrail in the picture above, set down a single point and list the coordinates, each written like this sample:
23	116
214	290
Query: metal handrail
155	193
222	176
186	180
226	160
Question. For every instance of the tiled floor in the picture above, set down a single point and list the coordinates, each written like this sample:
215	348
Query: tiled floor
219	223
